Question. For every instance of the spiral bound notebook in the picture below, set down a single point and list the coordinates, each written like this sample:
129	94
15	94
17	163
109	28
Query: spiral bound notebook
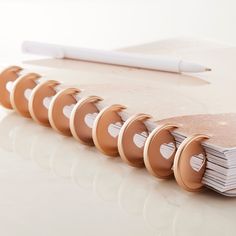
162	96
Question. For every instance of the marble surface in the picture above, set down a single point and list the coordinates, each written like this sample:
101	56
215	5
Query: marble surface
52	185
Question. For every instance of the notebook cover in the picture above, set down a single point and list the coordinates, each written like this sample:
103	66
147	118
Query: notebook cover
220	127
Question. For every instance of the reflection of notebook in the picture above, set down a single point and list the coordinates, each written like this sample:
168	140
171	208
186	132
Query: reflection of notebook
162	95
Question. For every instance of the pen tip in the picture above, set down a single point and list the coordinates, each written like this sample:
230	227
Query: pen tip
208	69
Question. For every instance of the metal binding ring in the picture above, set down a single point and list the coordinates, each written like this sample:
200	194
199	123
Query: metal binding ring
57	118
159	151
186	176
37	109
18	97
105	128
131	152
8	75
80	126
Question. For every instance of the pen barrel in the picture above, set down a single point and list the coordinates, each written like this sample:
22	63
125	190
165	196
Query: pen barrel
123	59
144	61
43	49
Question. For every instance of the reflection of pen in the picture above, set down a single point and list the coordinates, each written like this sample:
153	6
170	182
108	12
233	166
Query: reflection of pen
152	62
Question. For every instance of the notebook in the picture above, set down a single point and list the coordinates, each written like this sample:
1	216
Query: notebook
167	95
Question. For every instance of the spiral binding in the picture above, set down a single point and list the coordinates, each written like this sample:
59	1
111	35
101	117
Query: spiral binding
137	139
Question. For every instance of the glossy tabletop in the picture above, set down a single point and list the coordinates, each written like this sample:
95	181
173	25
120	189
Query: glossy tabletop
51	185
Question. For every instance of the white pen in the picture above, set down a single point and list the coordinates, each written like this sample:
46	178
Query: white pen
153	62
